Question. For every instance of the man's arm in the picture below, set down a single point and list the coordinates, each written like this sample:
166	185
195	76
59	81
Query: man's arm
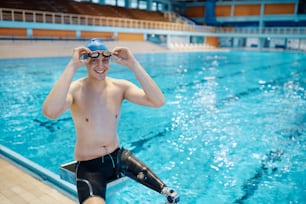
150	94
59	99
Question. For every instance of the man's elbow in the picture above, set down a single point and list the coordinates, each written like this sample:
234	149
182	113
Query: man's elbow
49	113
160	102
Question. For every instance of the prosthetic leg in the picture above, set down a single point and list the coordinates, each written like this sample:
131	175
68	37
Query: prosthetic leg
132	167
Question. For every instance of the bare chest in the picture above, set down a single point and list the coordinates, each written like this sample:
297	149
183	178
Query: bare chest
97	108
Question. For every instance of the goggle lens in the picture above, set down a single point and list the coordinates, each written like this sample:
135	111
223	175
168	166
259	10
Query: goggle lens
96	54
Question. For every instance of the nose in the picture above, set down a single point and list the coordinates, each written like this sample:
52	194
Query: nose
101	63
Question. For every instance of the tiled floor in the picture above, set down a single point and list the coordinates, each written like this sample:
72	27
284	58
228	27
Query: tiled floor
18	187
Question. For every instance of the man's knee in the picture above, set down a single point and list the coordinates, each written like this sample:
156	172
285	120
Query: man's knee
94	200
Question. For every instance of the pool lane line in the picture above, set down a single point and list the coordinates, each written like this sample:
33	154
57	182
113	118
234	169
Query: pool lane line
250	186
52	125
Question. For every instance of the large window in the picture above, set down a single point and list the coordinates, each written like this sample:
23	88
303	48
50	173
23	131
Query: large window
115	2
110	2
133	3
142	5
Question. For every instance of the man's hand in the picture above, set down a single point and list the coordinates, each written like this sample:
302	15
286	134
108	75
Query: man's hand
76	60
123	56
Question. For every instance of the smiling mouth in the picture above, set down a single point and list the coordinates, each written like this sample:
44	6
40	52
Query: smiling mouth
100	71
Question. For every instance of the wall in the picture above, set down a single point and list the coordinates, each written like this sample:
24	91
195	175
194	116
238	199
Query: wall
13	32
195	11
53	33
279	9
172	39
93	34
277	43
254	13
293	44
303	44
247	10
131	36
242	9
223	11
212	40
252	42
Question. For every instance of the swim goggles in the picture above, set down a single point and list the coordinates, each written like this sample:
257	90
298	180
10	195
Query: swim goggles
96	54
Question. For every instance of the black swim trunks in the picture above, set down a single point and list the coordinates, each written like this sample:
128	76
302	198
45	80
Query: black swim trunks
93	175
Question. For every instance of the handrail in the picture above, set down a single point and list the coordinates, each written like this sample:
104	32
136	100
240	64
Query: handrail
19	15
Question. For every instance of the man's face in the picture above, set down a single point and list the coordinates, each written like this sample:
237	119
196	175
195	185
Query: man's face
98	64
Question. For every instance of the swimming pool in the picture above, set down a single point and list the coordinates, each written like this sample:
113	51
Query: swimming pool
232	131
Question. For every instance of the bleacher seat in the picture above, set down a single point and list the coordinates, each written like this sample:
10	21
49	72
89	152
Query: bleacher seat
84	8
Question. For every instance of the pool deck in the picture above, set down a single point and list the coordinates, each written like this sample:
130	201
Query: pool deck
18	187
35	48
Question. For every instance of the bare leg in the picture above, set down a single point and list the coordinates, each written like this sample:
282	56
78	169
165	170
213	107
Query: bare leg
94	200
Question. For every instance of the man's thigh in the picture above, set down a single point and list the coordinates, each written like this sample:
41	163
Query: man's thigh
94	200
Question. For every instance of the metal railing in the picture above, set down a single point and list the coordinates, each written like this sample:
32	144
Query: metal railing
269	30
18	15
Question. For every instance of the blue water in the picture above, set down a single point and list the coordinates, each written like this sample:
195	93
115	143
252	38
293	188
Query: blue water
232	131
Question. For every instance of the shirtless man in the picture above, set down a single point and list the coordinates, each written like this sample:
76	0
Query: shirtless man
95	103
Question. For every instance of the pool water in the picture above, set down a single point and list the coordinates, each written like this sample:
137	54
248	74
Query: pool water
232	131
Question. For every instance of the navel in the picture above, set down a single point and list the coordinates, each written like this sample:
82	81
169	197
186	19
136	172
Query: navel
86	119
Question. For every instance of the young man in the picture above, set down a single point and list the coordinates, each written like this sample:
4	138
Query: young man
95	103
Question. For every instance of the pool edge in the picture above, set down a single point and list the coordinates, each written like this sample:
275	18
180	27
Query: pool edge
47	177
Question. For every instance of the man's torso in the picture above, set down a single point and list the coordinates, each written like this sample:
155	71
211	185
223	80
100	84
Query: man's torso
96	115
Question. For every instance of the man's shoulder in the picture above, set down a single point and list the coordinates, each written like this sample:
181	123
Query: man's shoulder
119	82
77	84
78	81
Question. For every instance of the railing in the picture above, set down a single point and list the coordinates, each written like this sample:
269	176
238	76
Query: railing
266	30
18	15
